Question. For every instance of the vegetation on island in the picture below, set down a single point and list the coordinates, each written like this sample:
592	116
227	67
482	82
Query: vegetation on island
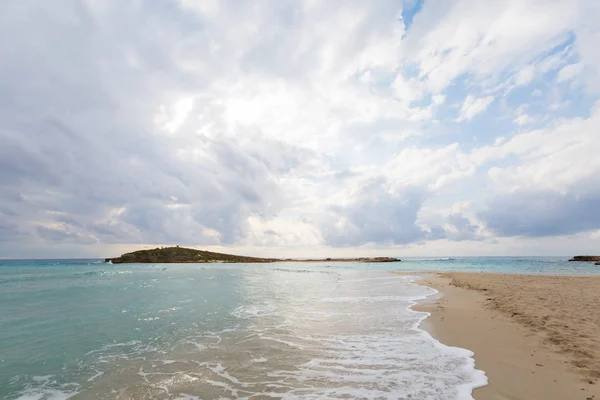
178	254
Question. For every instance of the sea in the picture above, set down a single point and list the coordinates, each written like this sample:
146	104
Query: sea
84	329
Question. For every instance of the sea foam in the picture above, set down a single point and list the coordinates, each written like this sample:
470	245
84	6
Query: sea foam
367	341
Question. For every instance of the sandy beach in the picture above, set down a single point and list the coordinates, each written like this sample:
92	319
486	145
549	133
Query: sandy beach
536	337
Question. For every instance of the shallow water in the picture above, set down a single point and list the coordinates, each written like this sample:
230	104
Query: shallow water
74	328
510	265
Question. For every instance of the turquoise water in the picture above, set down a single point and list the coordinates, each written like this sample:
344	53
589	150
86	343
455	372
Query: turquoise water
83	329
509	265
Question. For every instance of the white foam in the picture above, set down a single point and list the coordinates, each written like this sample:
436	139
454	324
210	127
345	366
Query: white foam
367	341
44	394
373	299
184	396
44	378
199	346
98	374
286	342
222	372
113	345
45	388
387	355
255	310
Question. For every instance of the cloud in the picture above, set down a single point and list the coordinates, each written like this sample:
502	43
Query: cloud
522	118
473	106
553	189
375	216
63	235
569	72
298	125
560	158
542	213
485	40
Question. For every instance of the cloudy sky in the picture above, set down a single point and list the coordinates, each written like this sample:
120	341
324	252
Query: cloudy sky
300	128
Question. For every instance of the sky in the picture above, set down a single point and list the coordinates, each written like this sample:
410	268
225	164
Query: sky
300	128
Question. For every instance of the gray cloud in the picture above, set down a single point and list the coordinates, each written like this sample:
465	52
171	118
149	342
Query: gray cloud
543	213
10	231
463	228
63	235
455	227
375	216
80	152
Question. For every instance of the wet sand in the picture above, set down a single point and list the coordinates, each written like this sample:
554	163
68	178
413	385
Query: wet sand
536	337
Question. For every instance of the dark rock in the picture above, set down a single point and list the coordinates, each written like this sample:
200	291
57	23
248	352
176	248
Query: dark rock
377	259
585	258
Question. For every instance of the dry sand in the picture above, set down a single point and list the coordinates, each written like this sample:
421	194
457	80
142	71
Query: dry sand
536	337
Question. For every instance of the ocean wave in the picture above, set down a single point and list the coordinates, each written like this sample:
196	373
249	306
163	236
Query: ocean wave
255	310
302	271
373	299
47	388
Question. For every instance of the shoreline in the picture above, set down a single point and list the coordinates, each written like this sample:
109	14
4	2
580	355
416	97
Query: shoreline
521	329
268	261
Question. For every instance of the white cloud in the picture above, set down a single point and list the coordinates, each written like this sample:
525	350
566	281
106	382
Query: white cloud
407	90
181	110
473	106
524	119
588	34
561	158
485	38
521	117
525	75
569	72
438	99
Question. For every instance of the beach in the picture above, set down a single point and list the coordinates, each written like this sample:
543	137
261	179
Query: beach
535	336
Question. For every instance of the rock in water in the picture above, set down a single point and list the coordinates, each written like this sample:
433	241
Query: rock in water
586	258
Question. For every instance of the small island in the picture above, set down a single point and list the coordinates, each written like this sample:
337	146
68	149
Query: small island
586	259
178	254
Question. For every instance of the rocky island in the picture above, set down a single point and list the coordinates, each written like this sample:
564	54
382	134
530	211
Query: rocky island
178	254
586	258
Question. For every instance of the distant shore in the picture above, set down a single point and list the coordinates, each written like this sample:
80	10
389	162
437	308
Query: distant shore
270	260
176	254
360	259
536	337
